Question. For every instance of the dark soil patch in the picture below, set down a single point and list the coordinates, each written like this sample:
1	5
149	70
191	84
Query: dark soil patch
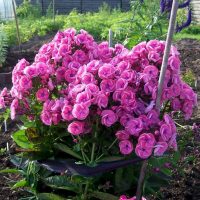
8	179
27	50
185	183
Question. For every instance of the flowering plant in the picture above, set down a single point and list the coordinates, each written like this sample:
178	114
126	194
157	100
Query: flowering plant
97	100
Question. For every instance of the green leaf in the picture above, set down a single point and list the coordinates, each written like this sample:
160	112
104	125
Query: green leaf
60	182
104	196
27	123
21	183
8	170
166	171
19	161
67	150
124	178
49	196
20	138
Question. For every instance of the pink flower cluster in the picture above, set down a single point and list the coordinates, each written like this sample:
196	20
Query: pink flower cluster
79	82
124	197
5	98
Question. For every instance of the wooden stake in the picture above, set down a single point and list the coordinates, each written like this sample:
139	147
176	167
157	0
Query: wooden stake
5	125
17	24
170	33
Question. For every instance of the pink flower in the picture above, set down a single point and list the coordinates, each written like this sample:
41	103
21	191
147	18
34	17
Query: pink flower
64	49
46	118
13	107
25	83
80	111
50	85
41	68
107	85
126	147
160	148
125	119
123	197
60	74
151	72
153	117
93	66
154	56
147	140
56	117
128	75
67	113
106	71
121	84
134	127
84	97
155	45
143	153
127	97
92	89
88	78
102	100
108	118
70	75
187	109
42	94
176	104
122	135
165	132
80	56
76	128
31	71
174	63
2	102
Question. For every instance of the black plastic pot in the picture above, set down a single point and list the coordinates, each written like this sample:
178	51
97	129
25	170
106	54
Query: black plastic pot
70	167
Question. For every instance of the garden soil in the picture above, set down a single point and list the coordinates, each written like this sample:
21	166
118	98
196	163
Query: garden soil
185	185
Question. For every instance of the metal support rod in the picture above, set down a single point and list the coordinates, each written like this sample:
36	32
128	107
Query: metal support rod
110	38
170	33
168	43
17	24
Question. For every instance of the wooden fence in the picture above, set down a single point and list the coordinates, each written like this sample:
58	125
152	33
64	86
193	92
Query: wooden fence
65	6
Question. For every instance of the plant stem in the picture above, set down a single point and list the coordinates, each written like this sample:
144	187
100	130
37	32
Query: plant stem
141	179
93	148
85	191
82	152
94	143
107	149
183	127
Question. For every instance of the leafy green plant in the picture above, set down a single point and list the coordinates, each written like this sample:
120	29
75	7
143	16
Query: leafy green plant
146	23
26	9
3	45
49	11
189	77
